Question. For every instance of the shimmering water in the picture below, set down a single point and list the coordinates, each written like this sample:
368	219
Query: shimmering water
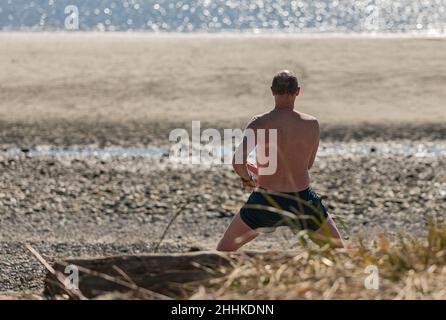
296	16
157	152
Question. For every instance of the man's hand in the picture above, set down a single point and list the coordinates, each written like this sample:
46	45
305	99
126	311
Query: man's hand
250	183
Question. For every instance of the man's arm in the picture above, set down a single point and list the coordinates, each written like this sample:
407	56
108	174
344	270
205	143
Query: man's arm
240	158
316	146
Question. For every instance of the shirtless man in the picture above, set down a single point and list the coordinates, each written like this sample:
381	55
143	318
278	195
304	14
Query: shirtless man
288	189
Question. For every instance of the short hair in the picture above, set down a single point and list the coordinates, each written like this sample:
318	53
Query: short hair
285	82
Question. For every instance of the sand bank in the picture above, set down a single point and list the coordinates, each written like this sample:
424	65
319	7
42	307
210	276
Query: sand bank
91	77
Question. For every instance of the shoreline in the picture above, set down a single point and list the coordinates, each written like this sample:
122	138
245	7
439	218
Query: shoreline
417	148
238	34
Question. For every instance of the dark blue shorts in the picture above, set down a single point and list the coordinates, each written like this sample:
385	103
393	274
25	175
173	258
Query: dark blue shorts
302	210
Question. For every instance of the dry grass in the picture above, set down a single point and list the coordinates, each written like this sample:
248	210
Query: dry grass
409	269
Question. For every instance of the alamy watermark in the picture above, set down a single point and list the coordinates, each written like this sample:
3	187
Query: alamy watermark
372	280
208	147
72	19
71	281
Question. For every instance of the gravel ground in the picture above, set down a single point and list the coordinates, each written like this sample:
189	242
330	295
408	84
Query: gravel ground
113	206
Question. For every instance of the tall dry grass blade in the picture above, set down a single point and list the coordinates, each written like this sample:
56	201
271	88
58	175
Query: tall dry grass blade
177	213
123	274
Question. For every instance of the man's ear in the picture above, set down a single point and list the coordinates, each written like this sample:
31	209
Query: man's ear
297	91
272	92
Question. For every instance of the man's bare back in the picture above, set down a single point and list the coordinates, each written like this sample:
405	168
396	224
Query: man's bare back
297	143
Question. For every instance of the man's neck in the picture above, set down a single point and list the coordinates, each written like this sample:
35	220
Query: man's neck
284	103
284	107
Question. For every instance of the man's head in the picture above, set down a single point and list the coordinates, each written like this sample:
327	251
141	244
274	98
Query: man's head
285	84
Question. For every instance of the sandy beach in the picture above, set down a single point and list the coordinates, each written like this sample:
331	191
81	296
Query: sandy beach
91	77
130	90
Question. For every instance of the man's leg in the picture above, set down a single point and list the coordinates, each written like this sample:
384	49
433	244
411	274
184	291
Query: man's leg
330	234
237	234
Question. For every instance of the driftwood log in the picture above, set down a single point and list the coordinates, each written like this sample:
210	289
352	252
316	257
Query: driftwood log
153	276
159	274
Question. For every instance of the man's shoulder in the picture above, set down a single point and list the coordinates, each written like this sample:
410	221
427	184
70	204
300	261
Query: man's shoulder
261	116
308	118
257	119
